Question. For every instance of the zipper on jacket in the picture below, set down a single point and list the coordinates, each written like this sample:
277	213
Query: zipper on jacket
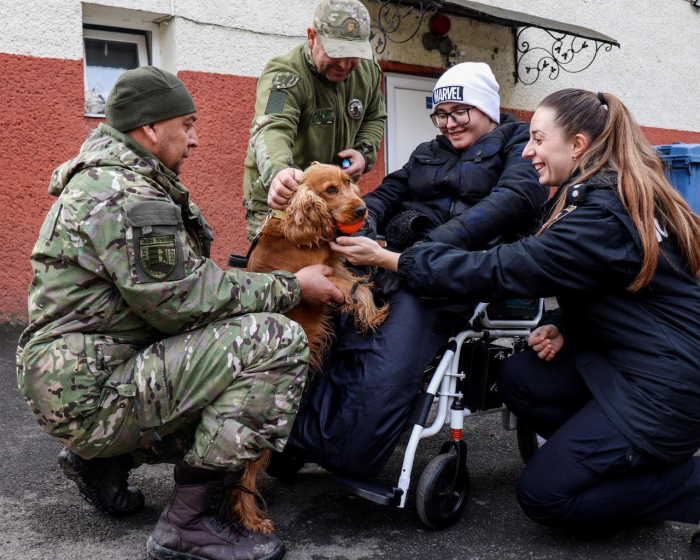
336	91
115	298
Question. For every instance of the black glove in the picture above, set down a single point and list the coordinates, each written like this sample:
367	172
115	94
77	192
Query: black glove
369	228
387	282
406	228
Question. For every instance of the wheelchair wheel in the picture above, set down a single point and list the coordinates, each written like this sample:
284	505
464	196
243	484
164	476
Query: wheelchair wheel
442	491
529	442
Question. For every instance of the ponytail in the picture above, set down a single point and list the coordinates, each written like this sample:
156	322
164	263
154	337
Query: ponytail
618	144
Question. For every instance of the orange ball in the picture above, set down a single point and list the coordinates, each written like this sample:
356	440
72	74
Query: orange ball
349	229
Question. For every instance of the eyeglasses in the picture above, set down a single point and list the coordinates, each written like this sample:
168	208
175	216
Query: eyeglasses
459	117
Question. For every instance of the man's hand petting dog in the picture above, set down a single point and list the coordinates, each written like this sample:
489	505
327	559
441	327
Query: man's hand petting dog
283	186
316	288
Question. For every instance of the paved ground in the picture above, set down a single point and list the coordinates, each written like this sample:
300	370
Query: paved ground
42	517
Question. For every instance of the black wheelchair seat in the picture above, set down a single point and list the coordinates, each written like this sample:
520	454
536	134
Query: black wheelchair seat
513	309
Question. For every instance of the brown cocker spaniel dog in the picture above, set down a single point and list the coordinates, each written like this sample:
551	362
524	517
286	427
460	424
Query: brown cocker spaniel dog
326	199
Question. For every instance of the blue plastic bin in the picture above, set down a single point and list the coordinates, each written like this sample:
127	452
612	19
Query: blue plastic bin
683	169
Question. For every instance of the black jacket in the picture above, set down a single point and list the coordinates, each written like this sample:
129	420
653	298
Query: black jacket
639	353
475	198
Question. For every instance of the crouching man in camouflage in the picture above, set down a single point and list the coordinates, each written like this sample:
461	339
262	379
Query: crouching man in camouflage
140	349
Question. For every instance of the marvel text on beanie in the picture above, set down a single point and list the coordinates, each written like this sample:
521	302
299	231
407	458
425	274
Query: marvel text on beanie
470	83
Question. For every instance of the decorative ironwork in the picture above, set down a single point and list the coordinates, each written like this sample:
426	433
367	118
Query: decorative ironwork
392	14
555	58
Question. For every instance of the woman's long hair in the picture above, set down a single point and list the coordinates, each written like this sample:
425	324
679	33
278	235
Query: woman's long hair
617	144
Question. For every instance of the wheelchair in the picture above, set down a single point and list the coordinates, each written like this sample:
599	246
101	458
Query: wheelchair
461	381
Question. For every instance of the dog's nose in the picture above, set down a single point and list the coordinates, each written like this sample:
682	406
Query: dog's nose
360	210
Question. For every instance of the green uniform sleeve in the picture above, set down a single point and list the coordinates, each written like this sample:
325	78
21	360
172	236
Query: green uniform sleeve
275	128
158	267
371	131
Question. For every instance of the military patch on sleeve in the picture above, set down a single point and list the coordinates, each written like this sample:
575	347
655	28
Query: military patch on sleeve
158	255
285	80
275	103
326	115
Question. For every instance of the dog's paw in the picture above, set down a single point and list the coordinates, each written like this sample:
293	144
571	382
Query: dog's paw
260	525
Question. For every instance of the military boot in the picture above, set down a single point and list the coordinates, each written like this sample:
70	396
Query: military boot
286	465
197	523
103	482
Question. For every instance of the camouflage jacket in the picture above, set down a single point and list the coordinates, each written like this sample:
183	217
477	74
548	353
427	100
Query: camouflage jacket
121	262
301	117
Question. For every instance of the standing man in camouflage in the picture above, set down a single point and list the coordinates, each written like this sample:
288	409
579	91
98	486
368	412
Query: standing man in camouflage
319	102
140	349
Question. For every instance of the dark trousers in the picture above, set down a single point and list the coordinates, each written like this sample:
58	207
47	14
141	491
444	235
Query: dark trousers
356	408
588	472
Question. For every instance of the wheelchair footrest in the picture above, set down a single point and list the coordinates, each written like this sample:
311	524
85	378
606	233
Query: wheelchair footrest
373	491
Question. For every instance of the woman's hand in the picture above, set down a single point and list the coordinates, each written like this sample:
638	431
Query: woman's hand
546	341
364	251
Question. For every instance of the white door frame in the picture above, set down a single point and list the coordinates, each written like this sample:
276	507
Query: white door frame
391	83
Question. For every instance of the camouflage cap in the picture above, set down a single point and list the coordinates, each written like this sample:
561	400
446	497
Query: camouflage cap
342	26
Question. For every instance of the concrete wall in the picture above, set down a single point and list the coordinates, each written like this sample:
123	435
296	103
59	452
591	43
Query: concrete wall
218	48
656	70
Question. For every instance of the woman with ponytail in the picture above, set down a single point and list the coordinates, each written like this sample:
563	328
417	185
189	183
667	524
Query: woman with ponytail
613	382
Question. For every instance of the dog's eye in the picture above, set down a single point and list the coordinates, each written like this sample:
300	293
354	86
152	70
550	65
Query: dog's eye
331	190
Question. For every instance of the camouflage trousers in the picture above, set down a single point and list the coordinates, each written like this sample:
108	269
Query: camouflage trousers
216	396
255	220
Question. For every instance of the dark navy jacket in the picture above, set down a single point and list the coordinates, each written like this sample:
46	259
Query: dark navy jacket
639	353
477	197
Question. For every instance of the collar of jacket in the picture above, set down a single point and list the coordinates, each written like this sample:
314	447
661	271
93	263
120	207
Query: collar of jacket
107	147
139	150
306	53
168	180
602	179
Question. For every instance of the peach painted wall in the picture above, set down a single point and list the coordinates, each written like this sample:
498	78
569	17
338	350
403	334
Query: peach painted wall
42	126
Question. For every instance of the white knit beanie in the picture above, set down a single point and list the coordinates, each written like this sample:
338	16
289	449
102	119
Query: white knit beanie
471	83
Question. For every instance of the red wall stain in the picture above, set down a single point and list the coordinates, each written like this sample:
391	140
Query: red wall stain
43	126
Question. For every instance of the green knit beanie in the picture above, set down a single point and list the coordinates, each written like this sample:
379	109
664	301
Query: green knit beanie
146	95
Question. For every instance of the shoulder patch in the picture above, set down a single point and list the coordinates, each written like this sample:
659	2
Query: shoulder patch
157	249
275	103
153	212
158	255
285	80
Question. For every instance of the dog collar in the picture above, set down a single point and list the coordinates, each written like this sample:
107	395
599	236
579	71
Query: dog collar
279	214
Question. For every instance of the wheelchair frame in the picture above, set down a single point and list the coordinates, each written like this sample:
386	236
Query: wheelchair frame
445	475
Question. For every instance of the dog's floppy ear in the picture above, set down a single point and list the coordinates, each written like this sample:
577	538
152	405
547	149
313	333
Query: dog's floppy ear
308	221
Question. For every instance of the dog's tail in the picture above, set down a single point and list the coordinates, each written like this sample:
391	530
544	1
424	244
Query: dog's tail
368	317
244	504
